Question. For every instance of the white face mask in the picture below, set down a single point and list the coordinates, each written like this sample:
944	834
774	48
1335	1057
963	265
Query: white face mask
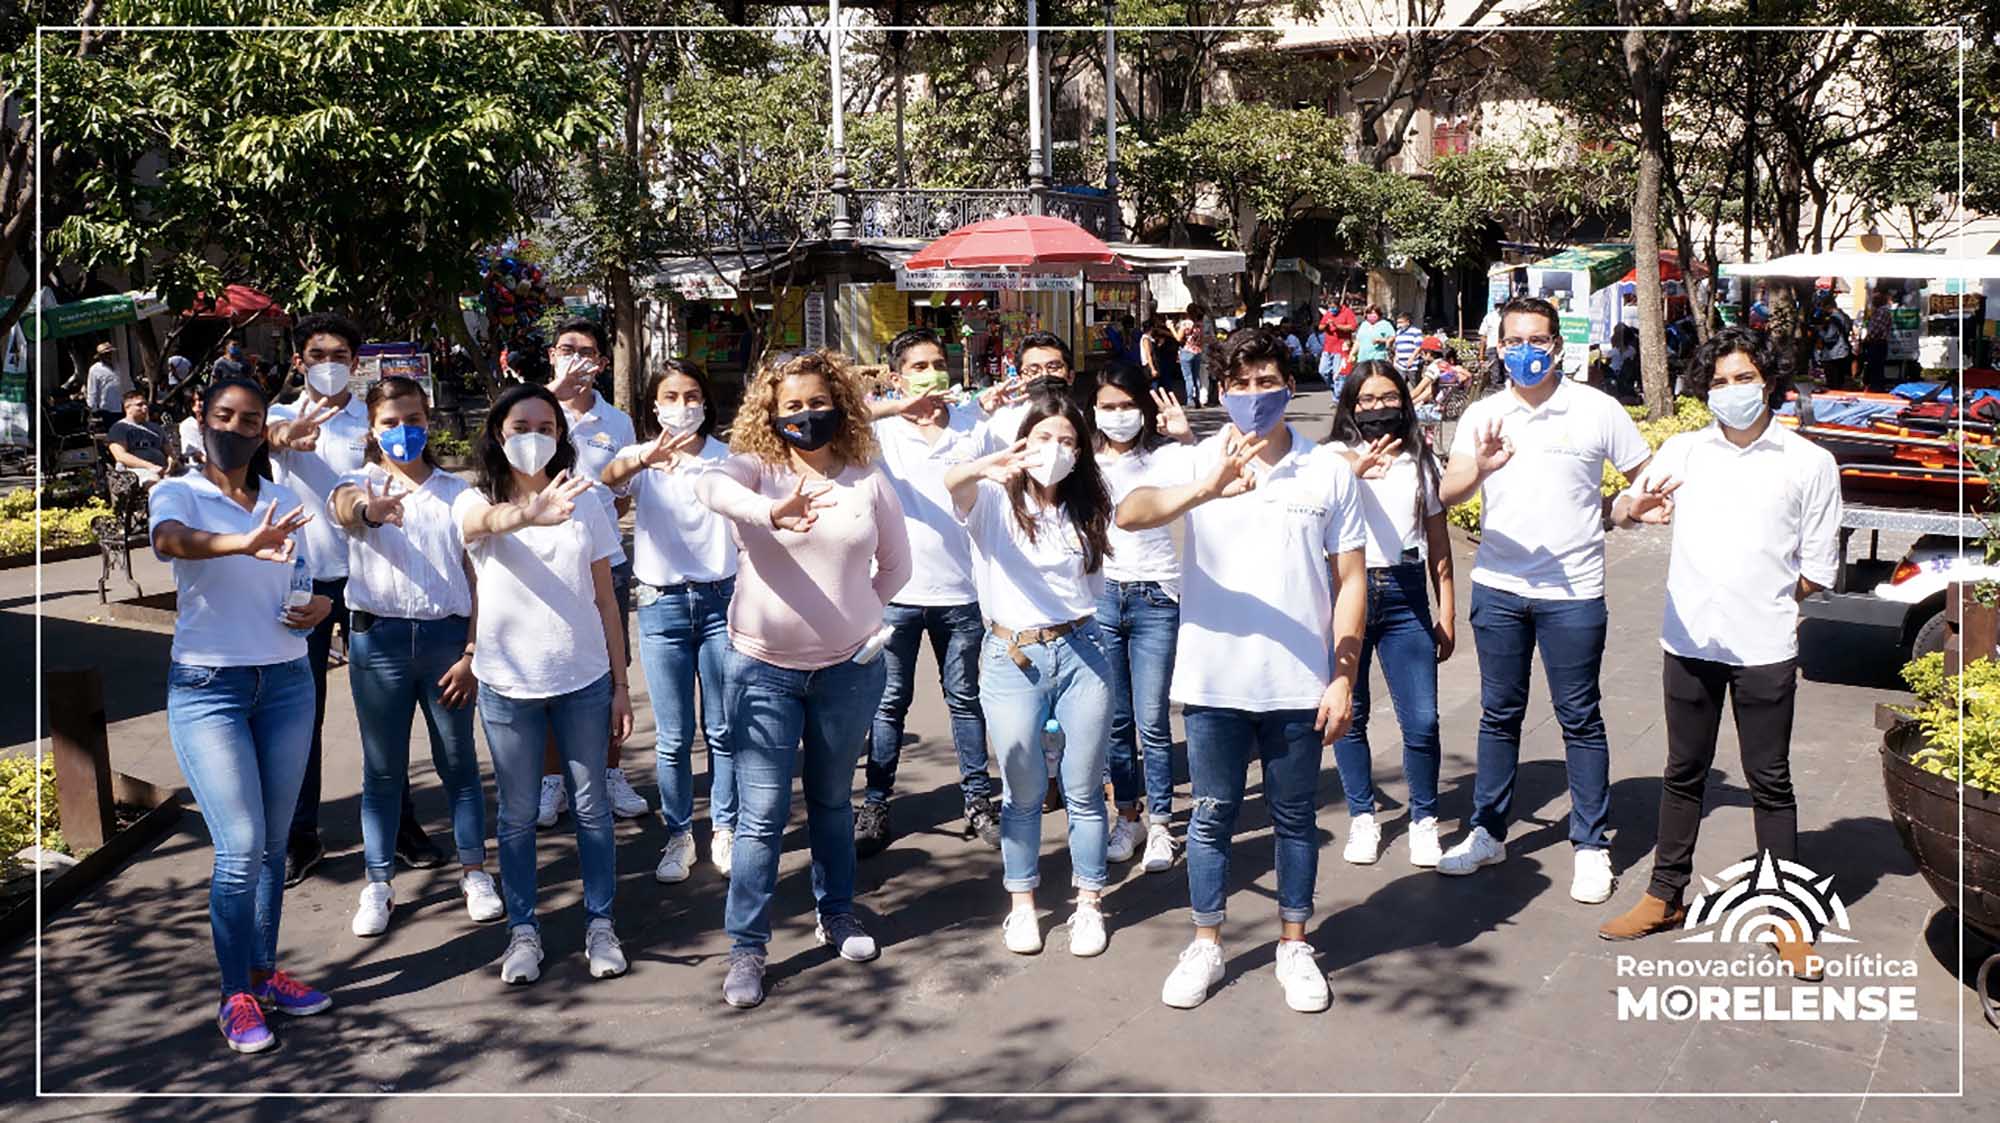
1120	424
1053	463
529	452
327	379
679	421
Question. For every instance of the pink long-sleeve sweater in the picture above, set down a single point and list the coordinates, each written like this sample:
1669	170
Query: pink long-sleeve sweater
809	600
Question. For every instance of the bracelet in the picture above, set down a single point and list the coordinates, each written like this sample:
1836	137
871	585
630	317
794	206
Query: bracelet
616	685
362	510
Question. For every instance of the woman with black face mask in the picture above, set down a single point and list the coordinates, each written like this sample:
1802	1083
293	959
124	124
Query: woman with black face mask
823	549
1376	427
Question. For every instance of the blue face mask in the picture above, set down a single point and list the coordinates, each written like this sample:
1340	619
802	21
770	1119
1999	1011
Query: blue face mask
1257	413
1527	364
404	443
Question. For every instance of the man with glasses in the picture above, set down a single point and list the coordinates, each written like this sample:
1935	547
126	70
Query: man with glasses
1535	455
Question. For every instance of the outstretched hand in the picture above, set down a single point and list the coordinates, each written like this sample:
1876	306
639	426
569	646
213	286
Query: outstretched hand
800	510
271	540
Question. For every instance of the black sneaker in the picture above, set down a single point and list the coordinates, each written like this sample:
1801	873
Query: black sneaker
300	858
871	829
983	823
415	849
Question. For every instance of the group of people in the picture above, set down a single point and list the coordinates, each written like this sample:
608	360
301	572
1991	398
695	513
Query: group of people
785	583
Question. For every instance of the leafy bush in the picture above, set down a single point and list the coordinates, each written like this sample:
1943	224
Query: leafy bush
443	443
1689	415
61	527
18	780
1939	714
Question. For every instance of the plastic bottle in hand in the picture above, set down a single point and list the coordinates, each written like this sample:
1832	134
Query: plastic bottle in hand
1052	742
300	594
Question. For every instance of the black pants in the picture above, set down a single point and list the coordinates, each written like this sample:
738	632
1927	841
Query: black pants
1762	700
319	647
1875	365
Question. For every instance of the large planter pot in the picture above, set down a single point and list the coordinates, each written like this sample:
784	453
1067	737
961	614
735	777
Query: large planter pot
1925	807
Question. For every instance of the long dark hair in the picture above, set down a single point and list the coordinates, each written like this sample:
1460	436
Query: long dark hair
259	467
496	475
1139	385
1081	494
1411	433
645	414
394	386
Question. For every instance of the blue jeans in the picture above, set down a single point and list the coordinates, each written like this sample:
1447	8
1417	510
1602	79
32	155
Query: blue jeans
1570	633
684	639
1192	375
242	735
772	712
1221	744
1399	628
955	631
1139	624
517	729
1065	679
394	667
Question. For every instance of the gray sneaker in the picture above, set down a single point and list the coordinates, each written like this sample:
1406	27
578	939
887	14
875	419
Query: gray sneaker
845	935
743	986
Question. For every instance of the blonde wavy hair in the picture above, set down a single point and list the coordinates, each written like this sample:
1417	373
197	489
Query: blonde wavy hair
754	433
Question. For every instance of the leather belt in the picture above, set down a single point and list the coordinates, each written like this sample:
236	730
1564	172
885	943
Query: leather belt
1033	636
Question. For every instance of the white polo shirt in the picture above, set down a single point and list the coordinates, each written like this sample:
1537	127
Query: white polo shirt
342	448
228	608
1748	523
1542	515
1145	555
1029	583
676	539
598	434
415	571
539	633
1001	429
940	549
1389	510
1257	581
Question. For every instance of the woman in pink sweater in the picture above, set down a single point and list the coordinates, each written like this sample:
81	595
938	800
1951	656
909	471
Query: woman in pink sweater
823	550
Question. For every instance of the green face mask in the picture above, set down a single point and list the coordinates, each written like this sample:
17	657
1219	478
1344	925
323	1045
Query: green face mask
929	382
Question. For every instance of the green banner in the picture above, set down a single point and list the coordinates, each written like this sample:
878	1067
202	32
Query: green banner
81	317
1575	330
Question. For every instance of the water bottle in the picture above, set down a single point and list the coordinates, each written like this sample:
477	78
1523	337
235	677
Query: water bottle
1052	742
300	595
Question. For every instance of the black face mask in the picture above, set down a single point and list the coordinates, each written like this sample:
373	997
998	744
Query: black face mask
1050	384
810	429
1378	423
229	450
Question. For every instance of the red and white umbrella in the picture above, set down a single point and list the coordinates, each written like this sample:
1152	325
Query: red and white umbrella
1016	242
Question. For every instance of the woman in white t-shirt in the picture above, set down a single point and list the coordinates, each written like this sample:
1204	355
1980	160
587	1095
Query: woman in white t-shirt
1037	513
409	591
1143	440
1375	426
239	694
684	567
541	550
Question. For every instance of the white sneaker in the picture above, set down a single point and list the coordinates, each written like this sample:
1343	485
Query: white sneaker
722	848
1086	929
625	803
676	859
1022	931
1305	984
600	946
1478	849
1198	971
1364	841
554	801
1159	849
1424	852
1124	840
482	900
1592	881
371	916
523	961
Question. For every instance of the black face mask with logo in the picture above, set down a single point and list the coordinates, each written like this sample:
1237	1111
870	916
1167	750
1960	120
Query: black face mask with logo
809	430
1375	424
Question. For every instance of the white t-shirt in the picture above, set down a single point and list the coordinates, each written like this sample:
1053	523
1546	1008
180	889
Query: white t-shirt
229	608
1748	523
539	632
1258	585
1389	510
342	448
675	537
191	438
1542	515
414	571
1145	555
940	550
598	435
1028	584
1001	429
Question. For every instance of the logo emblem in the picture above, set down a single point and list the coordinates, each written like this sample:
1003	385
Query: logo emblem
1755	898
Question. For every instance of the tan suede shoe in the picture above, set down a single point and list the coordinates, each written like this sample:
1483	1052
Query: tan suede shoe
1650	915
1792	947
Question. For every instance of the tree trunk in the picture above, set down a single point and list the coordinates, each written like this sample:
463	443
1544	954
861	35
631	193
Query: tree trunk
626	358
1648	94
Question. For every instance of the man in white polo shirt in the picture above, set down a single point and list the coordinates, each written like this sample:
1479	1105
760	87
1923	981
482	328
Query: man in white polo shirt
1756	515
1535	454
1273	600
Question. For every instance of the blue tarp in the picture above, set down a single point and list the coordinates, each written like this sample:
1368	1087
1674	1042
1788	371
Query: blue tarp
1915	390
1855	412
